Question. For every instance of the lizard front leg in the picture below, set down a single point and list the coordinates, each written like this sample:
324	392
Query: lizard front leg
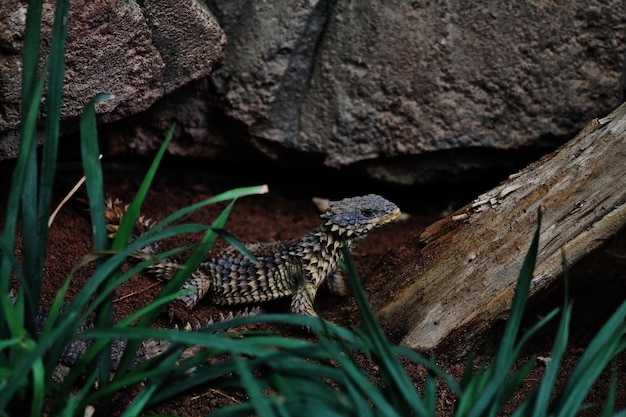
165	270
302	301
202	284
179	307
337	284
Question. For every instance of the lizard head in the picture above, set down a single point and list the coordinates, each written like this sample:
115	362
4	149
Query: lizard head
355	217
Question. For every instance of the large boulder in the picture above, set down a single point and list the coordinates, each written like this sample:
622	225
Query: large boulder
360	83
405	92
136	51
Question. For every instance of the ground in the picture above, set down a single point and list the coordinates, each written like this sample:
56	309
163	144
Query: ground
598	283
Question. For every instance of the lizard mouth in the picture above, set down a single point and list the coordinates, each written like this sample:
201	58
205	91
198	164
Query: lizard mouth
391	216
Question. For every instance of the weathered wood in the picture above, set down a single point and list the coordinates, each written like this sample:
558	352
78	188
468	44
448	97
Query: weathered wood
458	277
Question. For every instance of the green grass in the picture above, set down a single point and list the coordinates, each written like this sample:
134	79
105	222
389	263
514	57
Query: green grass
280	376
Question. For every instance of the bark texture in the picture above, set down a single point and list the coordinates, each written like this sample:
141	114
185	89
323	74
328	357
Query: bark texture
458	277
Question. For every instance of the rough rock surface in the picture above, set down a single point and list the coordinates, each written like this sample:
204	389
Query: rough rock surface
137	51
394	78
406	92
379	85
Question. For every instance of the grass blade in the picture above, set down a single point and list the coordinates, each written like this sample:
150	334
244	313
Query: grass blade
36	193
601	350
548	382
27	147
392	372
95	184
609	403
259	402
127	224
56	62
487	391
93	172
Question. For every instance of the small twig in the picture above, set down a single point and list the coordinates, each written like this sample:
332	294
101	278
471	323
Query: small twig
218	392
67	197
137	292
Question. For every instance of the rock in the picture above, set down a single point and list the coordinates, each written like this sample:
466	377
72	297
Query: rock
403	92
270	61
137	53
196	135
377	84
187	37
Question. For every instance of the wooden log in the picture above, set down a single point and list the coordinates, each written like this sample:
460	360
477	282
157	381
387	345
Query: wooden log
457	278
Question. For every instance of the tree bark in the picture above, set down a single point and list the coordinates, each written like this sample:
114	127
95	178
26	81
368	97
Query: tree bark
458	277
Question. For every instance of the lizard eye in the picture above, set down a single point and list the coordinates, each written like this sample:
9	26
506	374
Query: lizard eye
367	212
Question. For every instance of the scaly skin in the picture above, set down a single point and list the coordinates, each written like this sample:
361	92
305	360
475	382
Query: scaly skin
295	268
76	348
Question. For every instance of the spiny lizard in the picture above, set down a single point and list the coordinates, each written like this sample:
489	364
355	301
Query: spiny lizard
294	268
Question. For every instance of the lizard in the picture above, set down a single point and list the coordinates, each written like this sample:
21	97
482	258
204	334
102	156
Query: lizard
149	348
294	268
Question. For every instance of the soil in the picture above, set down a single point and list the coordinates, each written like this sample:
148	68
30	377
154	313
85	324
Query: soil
598	283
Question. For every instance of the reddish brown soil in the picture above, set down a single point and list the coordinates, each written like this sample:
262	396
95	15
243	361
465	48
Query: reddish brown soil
599	283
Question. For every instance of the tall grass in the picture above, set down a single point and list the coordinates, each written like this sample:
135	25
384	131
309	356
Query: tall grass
280	376
29	350
345	388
